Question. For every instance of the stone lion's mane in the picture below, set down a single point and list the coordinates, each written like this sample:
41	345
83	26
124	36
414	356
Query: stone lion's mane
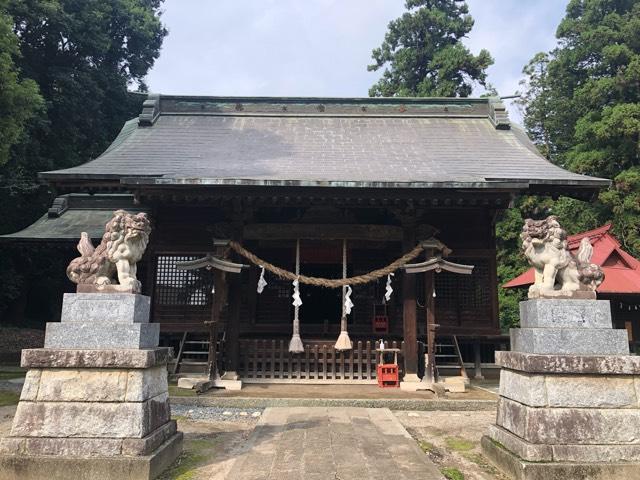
549	233
98	262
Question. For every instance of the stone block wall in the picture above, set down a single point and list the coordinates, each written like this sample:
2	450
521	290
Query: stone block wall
95	399
569	390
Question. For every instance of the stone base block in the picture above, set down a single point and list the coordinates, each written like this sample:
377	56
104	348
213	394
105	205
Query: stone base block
570	364
37	467
105	308
229	384
571	341
91	335
570	391
580	426
85	358
94	384
518	469
88	447
455	384
532	452
91	419
551	313
202	384
230	375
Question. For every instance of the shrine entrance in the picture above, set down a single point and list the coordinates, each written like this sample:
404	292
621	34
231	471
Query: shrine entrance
321	306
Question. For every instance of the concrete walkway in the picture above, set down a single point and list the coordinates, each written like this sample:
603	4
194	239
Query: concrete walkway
317	443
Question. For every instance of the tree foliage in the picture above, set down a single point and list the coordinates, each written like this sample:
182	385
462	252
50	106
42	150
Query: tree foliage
581	105
84	57
19	97
423	54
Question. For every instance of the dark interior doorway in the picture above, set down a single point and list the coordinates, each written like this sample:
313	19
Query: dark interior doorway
320	305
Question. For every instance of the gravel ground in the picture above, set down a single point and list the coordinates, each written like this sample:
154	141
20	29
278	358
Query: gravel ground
452	440
214	413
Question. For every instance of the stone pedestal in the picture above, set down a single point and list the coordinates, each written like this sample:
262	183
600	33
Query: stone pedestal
95	400
569	402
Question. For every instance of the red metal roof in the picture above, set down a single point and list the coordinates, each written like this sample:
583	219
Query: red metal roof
621	270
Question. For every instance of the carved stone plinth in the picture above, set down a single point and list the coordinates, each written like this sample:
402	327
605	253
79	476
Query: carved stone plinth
95	403
574	410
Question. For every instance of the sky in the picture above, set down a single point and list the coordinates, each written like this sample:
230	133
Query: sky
322	47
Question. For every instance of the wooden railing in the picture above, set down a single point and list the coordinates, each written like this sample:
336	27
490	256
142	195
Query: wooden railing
269	361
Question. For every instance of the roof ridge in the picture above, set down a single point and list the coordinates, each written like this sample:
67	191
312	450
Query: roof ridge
595	233
490	108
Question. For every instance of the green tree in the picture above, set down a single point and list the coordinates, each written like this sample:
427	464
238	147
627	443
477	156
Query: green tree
85	57
423	54
19	97
581	103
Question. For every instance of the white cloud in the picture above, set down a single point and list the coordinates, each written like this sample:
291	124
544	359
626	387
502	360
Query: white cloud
322	47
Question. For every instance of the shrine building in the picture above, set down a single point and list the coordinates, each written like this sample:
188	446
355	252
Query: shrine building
329	188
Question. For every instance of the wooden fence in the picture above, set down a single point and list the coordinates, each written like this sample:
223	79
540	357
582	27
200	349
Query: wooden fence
269	361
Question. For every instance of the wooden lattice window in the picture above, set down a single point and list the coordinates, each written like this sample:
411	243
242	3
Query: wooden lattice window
181	287
464	298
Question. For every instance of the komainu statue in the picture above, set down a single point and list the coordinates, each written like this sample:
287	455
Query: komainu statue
111	266
558	273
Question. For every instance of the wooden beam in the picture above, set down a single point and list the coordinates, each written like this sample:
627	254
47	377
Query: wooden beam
437	264
288	231
211	262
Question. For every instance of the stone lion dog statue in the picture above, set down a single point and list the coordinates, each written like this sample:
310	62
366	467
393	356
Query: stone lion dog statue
111	266
558	273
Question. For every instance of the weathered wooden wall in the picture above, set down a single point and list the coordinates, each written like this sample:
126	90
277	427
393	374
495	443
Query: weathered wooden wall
464	305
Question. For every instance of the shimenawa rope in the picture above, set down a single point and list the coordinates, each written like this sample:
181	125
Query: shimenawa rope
326	282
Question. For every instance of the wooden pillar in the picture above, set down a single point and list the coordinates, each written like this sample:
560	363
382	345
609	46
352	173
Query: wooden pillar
430	372
219	297
232	339
477	361
409	317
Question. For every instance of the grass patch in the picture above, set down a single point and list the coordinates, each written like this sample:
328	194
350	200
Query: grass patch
481	462
9	372
7	397
459	444
185	467
174	391
452	473
426	447
194	455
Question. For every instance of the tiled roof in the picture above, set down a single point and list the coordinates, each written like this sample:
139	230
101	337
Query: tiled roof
394	142
74	213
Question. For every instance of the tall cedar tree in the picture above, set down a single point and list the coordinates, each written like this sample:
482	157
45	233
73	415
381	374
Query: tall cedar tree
84	56
423	55
582	108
